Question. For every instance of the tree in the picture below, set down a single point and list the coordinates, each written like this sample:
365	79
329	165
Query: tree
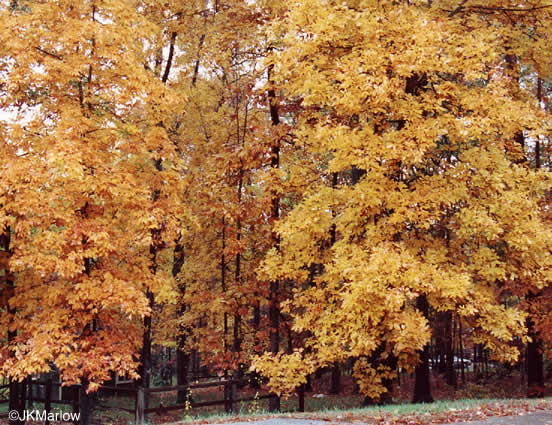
404	93
81	140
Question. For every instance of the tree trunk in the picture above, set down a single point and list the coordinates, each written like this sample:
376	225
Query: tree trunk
16	403
182	366
274	309
389	361
236	345
422	383
85	404
335	383
145	354
449	340
535	363
461	352
182	357
274	312
15	389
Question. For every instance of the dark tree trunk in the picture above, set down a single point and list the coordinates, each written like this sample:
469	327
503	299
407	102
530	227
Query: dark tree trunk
145	354
182	357
422	384
301	397
389	361
535	363
442	357
182	366
449	340
223	280
236	344
308	384
145	369
274	308
86	404
335	382
274	312
15	388
16	401
461	352
537	142
255	380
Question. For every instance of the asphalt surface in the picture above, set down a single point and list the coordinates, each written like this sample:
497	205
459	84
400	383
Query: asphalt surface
528	419
283	421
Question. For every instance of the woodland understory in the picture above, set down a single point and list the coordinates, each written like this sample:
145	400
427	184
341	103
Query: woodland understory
277	190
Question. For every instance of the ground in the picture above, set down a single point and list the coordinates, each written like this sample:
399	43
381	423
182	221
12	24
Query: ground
527	419
461	405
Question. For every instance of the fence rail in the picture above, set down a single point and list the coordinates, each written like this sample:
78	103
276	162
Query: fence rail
140	395
228	401
26	398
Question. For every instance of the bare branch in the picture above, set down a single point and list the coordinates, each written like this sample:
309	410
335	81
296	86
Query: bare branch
170	58
58	57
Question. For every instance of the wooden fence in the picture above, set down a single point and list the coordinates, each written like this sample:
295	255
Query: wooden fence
47	399
140	396
141	410
4	388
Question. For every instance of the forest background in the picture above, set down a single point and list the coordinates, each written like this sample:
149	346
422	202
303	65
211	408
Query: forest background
281	186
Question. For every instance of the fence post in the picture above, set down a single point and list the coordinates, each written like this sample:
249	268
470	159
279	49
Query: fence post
140	405
48	399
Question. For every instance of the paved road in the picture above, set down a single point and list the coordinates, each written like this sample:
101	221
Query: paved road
529	419
283	421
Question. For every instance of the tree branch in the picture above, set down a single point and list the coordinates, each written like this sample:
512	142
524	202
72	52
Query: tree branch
58	57
170	58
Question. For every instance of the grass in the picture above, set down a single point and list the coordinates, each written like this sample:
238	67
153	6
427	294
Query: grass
492	405
472	401
256	410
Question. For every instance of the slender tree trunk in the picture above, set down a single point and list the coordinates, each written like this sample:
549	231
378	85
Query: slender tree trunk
442	356
182	357
15	388
537	142
422	384
223	281
535	363
86	400
145	355
274	308
85	404
451	372
461	351
335	382
390	361
256	324
236	345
